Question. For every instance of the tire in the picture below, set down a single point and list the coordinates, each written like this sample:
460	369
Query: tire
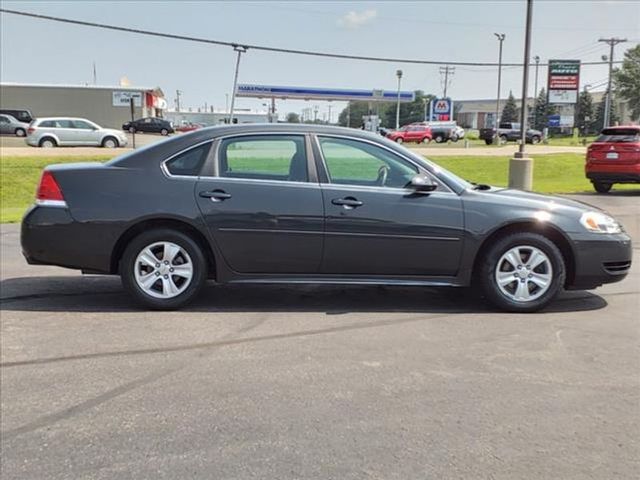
20	132
399	140
132	130
454	138
504	139
133	269
425	140
47	142
527	279
488	142
535	139
439	139
602	187
164	132
110	142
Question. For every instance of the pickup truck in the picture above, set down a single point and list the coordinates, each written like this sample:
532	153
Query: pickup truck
509	132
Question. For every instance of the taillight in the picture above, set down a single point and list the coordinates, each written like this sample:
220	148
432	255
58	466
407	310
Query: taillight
30	130
49	190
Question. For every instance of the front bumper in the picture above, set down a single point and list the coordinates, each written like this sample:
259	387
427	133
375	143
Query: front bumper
600	259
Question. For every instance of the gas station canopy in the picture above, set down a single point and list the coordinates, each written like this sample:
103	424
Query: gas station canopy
306	93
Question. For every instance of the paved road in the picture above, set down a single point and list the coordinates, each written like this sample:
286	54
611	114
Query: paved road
13	146
331	382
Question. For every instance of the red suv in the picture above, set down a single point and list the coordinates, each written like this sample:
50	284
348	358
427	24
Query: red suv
411	133
614	158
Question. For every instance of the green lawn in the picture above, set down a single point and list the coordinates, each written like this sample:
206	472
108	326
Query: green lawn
553	173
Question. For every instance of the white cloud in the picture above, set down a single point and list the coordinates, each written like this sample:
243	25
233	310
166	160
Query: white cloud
355	19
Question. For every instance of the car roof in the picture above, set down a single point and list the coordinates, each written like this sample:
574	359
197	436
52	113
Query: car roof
623	127
63	118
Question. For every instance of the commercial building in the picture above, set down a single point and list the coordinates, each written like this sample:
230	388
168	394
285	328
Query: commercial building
108	106
216	117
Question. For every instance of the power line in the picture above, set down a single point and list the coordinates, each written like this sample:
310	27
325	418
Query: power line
260	47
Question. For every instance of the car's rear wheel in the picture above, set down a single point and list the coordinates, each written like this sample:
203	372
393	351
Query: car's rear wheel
20	132
504	139
535	139
110	142
163	269
522	272
488	142
47	142
602	187
426	140
164	132
399	140
439	138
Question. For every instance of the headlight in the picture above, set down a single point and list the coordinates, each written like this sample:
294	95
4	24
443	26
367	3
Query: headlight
599	223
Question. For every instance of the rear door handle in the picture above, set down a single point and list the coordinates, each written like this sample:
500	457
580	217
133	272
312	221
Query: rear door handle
216	195
347	202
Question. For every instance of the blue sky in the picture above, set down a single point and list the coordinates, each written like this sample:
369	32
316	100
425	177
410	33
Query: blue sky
43	52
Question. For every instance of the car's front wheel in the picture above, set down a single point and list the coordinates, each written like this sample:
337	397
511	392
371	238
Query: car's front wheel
522	272
399	140
602	187
163	269
110	142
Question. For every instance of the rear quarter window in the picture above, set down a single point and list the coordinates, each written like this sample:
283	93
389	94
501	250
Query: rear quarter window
619	135
189	163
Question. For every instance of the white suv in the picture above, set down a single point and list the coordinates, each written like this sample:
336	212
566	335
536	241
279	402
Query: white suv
72	132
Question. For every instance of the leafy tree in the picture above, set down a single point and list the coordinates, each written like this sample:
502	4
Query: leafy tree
510	110
627	80
293	117
358	110
542	110
585	116
409	112
613	114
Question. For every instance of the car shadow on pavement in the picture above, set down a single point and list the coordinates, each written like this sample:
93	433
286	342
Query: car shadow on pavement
105	294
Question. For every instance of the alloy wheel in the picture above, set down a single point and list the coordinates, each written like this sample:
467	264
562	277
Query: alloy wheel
163	270
524	273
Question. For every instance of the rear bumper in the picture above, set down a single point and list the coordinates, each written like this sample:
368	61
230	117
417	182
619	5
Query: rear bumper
50	236
614	177
600	259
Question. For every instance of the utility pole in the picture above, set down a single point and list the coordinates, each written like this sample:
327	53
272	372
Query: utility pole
315	113
520	166
500	37
178	93
399	75
446	71
95	74
535	92
240	49
612	42
329	113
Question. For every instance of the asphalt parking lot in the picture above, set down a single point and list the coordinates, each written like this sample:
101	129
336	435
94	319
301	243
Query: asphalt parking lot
316	382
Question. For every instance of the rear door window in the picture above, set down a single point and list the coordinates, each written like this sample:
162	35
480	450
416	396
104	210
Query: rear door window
64	124
264	157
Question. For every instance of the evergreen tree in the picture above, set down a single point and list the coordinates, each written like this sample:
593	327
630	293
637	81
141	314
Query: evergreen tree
613	114
585	117
510	110
542	110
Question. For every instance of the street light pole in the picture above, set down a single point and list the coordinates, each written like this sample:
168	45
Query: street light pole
612	42
520	166
535	92
500	37
240	49
399	74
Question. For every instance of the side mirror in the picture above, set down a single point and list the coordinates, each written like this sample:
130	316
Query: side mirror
422	183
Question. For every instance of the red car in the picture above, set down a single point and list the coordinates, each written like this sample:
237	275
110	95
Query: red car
188	127
411	133
614	158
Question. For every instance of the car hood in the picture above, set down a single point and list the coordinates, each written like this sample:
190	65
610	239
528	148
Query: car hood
539	201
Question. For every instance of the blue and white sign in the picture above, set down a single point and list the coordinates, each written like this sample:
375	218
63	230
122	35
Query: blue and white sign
553	121
306	93
441	109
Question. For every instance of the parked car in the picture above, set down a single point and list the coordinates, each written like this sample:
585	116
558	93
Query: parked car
411	133
188	127
149	125
9	125
285	203
22	115
72	132
614	158
444	131
509	132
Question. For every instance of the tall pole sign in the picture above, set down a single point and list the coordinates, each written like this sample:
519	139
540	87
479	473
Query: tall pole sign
563	81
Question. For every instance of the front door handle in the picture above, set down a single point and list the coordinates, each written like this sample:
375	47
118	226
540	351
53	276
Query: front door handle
347	202
216	195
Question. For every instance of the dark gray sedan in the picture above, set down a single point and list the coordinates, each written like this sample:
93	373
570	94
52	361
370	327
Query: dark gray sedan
310	204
